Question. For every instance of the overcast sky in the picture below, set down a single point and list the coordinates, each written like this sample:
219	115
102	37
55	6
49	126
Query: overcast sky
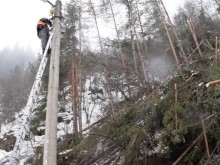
18	22
19	19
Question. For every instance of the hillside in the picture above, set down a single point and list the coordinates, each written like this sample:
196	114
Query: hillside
146	94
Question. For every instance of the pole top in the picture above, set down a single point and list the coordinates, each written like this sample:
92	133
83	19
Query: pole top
48	2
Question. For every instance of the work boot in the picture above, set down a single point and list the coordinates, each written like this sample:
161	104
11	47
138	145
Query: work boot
49	52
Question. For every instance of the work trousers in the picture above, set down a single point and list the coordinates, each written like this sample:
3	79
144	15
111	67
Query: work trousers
44	36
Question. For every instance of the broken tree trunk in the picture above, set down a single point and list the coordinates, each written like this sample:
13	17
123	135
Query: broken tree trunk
192	29
206	141
212	83
188	149
175	33
169	38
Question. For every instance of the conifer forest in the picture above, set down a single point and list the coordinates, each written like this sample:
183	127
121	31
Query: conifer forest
137	85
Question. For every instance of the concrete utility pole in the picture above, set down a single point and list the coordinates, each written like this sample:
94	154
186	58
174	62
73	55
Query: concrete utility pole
50	143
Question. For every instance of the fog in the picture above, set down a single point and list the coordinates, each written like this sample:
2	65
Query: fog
10	57
159	68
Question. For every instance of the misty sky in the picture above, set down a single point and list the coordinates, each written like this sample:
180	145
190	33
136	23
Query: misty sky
19	19
18	22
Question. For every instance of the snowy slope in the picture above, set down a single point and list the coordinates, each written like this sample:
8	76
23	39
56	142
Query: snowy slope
92	111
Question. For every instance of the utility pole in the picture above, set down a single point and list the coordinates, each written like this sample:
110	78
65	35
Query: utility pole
50	142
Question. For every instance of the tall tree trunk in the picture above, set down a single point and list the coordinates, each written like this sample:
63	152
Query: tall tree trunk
74	89
116	29
80	75
169	38
131	22
206	140
216	48
133	50
176	100
192	29
142	30
106	72
175	33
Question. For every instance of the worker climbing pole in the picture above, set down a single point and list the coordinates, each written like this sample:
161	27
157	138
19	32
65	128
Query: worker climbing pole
50	142
29	107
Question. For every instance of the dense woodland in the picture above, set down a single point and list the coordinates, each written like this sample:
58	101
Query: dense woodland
155	76
17	72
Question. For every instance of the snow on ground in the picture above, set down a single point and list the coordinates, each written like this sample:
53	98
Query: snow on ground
91	112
